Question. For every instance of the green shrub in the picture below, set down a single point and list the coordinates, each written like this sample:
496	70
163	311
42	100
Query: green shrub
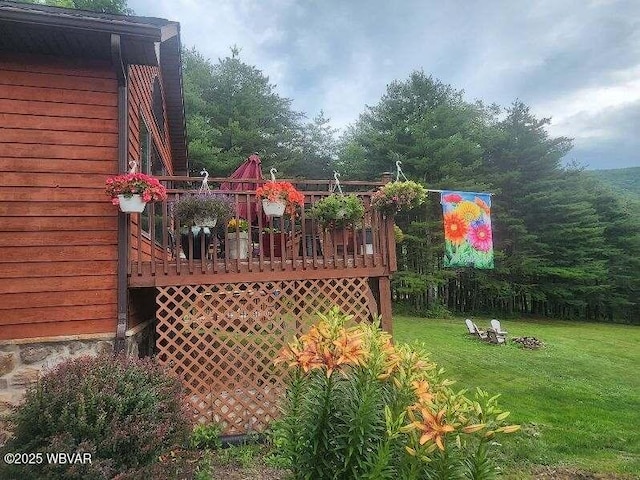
358	407
338	211
125	412
206	436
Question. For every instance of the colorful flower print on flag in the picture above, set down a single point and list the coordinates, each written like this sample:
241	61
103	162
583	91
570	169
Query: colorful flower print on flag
467	229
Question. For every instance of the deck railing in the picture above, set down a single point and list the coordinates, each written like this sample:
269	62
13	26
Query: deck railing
162	254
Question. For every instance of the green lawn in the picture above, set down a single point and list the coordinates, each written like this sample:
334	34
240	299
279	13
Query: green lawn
577	399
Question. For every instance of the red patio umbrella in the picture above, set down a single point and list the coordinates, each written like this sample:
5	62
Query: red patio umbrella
251	169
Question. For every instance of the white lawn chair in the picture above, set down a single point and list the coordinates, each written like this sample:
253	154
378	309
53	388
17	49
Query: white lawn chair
494	337
470	327
474	330
495	325
496	334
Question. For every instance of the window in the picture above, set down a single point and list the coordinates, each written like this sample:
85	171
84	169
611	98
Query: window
150	163
158	106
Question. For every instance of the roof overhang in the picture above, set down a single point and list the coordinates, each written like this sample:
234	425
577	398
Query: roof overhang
38	29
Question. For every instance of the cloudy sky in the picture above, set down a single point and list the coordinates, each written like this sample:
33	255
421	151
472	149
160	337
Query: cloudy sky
577	62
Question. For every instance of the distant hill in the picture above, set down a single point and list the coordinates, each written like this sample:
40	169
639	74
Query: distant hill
627	180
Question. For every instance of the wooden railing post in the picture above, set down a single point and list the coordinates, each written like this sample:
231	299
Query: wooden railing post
384	283
391	243
384	286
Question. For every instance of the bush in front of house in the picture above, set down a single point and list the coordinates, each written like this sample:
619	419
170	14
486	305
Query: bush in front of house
125	412
359	407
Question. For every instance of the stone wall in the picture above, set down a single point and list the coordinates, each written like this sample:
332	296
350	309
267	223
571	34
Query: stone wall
22	362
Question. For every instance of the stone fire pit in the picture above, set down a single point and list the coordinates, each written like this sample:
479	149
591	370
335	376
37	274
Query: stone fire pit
528	342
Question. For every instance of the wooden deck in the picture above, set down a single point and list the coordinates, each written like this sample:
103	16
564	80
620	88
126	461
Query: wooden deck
300	250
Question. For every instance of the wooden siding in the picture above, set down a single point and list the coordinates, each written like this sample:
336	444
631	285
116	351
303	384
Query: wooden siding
141	80
58	232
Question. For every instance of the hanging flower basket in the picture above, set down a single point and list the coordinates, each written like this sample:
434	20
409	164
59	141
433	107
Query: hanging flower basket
395	197
338	211
132	204
124	188
202	209
273	209
280	192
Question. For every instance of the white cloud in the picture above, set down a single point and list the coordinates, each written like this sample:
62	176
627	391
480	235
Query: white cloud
577	62
577	113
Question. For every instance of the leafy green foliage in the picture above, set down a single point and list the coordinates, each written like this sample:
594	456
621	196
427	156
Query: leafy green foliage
206	436
196	209
319	149
357	407
626	180
338	210
562	247
123	411
232	112
101	6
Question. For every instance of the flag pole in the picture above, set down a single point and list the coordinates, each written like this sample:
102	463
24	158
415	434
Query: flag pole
459	191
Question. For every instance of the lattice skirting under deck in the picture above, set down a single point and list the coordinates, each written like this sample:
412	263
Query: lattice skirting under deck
221	340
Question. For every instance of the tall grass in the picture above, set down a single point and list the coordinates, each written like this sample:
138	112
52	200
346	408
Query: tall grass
578	398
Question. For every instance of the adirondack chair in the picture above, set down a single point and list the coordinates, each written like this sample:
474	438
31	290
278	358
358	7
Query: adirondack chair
495	325
470	327
474	330
495	337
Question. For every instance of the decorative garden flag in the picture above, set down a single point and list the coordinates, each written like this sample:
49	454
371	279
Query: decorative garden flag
467	229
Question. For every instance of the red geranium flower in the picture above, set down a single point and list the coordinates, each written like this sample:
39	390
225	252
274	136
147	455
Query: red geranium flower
281	191
135	183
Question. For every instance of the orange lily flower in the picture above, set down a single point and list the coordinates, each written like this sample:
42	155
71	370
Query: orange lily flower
421	388
433	427
350	349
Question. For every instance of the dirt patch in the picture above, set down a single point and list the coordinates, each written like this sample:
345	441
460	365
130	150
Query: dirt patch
185	464
253	473
553	473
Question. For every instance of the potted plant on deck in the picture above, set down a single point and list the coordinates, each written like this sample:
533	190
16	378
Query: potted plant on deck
339	213
238	238
279	198
197	215
132	191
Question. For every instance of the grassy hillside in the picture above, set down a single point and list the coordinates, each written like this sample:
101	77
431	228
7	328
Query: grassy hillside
577	398
627	180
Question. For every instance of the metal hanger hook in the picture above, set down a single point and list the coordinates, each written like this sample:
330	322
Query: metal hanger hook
204	188
338	186
399	171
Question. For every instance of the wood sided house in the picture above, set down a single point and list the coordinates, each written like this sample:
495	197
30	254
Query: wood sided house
82	94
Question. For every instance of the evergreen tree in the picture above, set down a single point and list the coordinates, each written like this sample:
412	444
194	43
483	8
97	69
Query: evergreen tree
233	111
436	136
621	299
319	149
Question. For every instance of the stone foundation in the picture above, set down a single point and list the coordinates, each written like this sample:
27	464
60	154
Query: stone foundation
23	361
